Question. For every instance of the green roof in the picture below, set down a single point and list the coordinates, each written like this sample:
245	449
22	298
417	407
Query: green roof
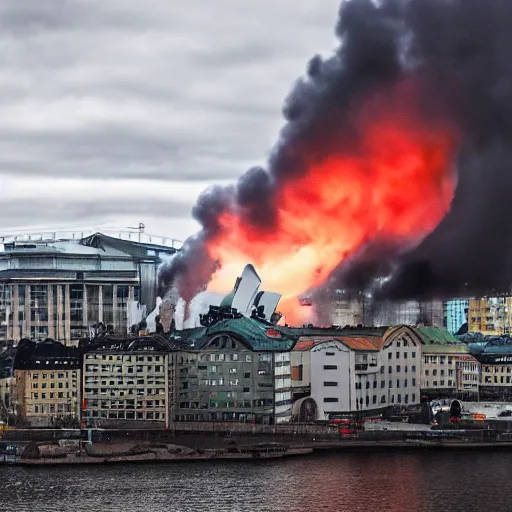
459	348
436	336
255	333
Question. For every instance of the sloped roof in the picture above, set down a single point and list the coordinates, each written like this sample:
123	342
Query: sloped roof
436	336
363	343
258	335
335	331
305	345
437	348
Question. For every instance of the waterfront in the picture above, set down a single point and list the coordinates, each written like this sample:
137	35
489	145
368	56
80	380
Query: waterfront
412	482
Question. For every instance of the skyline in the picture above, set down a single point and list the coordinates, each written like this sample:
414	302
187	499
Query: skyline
137	112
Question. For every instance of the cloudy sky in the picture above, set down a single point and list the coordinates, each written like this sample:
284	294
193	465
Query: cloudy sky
121	111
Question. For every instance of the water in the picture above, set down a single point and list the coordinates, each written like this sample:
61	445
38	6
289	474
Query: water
409	482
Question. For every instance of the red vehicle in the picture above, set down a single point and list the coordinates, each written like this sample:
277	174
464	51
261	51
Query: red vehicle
348	426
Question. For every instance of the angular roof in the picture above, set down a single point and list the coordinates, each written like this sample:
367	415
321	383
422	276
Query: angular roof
258	335
357	343
436	336
455	348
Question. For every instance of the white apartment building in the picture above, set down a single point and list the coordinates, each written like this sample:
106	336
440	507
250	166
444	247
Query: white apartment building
351	374
401	366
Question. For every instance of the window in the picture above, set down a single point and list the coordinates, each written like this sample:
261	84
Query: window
414	382
330	354
330	367
398	355
398	398
413	369
398	368
330	400
413	354
390	355
405	355
330	383
405	383
413	398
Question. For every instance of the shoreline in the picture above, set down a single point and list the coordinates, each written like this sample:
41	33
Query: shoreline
162	457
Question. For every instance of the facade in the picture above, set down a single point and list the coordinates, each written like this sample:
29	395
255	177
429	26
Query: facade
59	288
129	381
47	383
496	372
235	370
490	315
448	368
455	314
356	372
401	364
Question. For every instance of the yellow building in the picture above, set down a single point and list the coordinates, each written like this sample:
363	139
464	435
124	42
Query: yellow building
490	315
47	377
46	397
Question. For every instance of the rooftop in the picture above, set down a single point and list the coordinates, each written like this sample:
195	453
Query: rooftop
259	335
436	336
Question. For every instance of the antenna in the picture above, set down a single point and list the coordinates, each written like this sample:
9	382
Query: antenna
140	229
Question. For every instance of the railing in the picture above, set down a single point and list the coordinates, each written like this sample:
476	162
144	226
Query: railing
75	236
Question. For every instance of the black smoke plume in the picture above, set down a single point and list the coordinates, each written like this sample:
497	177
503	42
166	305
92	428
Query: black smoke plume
462	50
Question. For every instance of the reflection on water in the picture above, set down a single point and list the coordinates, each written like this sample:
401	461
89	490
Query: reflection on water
408	482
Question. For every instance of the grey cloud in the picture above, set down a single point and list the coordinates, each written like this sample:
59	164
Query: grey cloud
205	82
73	210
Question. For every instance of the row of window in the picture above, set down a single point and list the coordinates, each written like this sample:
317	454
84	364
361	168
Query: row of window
51	376
405	355
49	409
125	392
125	358
128	415
52	396
220	357
383	384
438	359
128	382
104	368
220	381
374	399
440	383
53	385
399	369
213	369
441	372
125	404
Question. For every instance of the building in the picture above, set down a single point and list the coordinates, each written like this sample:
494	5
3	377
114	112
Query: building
490	315
496	372
58	287
455	312
355	372
401	366
129	381
448	368
236	369
7	353
47	384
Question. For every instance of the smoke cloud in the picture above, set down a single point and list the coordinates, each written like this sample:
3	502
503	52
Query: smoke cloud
460	50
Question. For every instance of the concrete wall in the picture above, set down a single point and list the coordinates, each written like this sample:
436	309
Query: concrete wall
331	377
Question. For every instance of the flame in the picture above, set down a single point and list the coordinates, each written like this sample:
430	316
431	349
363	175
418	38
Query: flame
395	186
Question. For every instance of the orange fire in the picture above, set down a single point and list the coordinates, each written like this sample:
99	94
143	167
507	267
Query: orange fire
396	185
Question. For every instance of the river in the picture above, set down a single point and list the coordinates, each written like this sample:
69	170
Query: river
409	482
